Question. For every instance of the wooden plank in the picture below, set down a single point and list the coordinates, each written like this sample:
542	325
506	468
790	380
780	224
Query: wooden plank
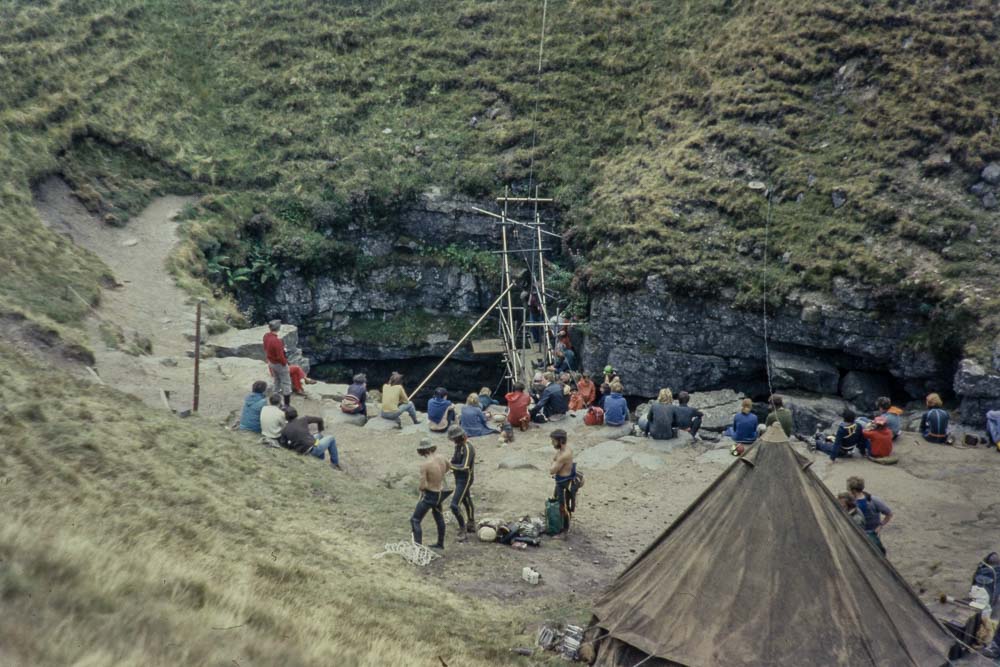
488	346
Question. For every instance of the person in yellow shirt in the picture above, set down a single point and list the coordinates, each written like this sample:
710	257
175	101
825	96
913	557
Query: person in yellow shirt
395	401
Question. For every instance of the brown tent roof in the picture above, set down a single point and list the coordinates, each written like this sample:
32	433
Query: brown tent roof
765	569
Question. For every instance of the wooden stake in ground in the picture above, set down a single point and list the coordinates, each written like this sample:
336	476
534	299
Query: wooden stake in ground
197	356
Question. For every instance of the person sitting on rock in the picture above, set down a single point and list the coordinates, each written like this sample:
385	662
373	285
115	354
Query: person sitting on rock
395	401
878	439
486	398
473	420
849	437
440	411
616	407
605	392
553	402
779	413
658	423
934	423
687	418
252	405
884	408
588	392
297	437
298	377
744	428
576	401
272	420
517	407
565	361
359	390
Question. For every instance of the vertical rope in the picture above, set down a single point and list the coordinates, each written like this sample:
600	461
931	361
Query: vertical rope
766	291
538	88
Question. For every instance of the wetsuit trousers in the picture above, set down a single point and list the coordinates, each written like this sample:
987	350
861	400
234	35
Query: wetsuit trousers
430	501
562	495
463	499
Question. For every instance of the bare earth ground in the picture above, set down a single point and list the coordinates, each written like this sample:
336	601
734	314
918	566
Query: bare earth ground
944	498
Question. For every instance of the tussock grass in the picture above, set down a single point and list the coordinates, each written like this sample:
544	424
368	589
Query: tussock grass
132	537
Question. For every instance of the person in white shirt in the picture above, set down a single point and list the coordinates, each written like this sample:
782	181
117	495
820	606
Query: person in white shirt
272	420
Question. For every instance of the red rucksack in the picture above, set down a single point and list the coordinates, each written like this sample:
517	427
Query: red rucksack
350	404
594	416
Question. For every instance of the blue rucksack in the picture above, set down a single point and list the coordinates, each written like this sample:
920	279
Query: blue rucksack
867	508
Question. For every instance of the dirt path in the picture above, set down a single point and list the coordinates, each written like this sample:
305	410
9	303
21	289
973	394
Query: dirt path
945	499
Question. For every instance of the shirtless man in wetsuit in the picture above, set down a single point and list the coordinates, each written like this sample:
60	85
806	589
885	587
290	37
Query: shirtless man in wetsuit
564	471
432	494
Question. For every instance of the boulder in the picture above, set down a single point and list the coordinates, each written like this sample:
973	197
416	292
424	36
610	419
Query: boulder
333	392
991	173
989	201
793	371
378	425
812	413
338	418
682	440
718	408
249	342
838	197
862	389
972	411
971	379
979	189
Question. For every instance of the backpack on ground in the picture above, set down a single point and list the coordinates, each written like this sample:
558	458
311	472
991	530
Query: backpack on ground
986	577
594	416
553	517
350	404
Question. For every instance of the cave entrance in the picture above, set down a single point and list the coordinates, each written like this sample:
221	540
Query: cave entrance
459	377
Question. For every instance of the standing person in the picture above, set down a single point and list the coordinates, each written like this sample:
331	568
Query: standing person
849	437
356	400
535	315
463	465
563	470
440	411
744	428
252	405
272	420
687	418
659	421
297	437
878	439
432	493
934	423
552	404
779	413
395	401
473	419
876	513
517	407
277	362
588	392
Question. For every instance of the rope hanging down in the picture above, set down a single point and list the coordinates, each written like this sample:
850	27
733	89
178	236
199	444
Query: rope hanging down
767	282
538	88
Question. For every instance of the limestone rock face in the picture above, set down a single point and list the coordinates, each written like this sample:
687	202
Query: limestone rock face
793	371
862	389
249	343
811	413
979	390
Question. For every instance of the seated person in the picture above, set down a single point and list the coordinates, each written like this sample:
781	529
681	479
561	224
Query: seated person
565	361
587	389
272	420
517	407
934	423
576	401
356	400
605	392
395	401
298	376
779	413
553	402
252	405
297	437
744	428
486	398
878	439
993	427
440	411
687	418
884	408
473	420
658	423
849	437
615	406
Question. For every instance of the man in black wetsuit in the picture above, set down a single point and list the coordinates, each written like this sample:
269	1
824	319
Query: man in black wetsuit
463	464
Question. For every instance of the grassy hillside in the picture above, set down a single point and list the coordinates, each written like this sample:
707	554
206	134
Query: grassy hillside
131	537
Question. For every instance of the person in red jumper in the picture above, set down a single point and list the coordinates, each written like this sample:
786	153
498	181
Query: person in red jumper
878	438
274	351
517	407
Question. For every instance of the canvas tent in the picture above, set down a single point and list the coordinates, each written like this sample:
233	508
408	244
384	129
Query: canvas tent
765	569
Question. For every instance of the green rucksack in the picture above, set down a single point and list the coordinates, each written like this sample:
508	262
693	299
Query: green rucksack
553	517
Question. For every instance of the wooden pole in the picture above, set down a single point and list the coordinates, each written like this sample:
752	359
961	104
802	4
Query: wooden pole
462	340
512	351
541	296
197	356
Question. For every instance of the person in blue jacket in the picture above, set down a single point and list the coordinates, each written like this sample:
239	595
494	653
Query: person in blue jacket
615	406
440	411
744	428
934	423
849	437
473	419
252	405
